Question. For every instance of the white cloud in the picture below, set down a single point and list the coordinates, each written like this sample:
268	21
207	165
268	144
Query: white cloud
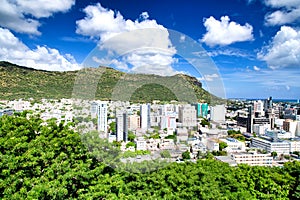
182	38
141	43
283	50
42	57
288	11
44	8
208	77
256	68
118	64
229	52
224	32
282	3
14	15
144	16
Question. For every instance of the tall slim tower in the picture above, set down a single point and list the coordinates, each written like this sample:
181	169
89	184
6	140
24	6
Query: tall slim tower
122	126
145	116
102	116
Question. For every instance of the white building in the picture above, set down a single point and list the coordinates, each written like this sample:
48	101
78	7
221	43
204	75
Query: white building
102	117
253	159
145	116
134	122
281	134
260	128
294	145
212	145
182	134
217	113
141	144
121	126
281	147
168	122
233	145
167	144
291	126
258	107
187	115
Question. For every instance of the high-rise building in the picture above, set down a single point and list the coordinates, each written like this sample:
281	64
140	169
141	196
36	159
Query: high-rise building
217	113
168	121
258	107
94	108
204	110
268	104
121	126
145	116
134	122
198	108
102	116
245	119
187	115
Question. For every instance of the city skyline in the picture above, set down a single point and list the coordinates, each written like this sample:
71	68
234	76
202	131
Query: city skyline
253	43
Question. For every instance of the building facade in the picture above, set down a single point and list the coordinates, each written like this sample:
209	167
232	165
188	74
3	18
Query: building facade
102	117
121	126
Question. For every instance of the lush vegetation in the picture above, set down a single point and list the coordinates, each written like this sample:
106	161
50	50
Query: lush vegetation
52	162
236	134
102	83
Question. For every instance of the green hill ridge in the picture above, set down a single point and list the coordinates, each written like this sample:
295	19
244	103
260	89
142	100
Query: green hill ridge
98	83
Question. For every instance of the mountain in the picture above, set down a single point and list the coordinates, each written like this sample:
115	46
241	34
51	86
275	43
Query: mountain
98	83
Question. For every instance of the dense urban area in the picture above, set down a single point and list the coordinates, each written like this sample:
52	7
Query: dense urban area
255	132
53	149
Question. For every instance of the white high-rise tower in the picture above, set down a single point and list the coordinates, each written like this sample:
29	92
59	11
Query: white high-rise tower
102	116
145	116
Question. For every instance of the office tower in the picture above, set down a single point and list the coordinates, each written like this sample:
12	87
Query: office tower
217	113
145	116
258	107
102	116
268	106
168	121
204	110
245	119
187	115
134	122
121	126
94	108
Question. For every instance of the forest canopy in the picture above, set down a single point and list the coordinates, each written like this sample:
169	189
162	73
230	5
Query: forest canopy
50	161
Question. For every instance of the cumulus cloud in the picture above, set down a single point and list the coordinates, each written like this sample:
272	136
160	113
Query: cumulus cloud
141	43
283	50
287	11
14	15
224	32
42	57
256	68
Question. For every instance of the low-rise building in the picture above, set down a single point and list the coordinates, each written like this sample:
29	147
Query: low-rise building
141	144
279	146
212	145
233	145
253	159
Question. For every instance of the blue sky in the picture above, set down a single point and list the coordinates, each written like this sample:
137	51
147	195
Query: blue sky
254	45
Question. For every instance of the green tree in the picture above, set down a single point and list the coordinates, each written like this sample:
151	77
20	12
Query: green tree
131	136
186	155
112	127
130	144
165	154
274	154
222	145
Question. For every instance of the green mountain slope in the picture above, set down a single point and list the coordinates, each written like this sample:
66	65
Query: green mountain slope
101	83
